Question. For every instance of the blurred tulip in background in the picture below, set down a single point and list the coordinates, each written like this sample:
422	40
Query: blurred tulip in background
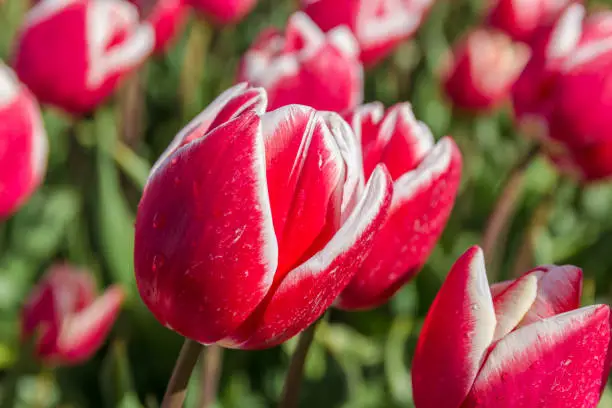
23	143
520	19
306	66
426	179
65	317
72	54
482	69
521	343
379	25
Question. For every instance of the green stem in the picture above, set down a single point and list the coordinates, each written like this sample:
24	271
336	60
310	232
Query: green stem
177	386
211	373
293	381
504	209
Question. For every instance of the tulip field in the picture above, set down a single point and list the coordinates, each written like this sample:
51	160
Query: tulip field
305	203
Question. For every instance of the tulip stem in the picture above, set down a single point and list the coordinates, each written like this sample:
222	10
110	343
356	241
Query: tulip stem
211	373
177	387
504	208
293	381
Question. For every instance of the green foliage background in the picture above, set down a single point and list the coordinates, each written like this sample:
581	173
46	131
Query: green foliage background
84	214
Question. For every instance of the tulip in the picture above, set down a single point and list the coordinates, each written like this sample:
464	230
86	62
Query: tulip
23	143
520	19
306	66
66	319
426	179
223	11
482	70
252	223
379	26
522	343
73	53
563	90
167	17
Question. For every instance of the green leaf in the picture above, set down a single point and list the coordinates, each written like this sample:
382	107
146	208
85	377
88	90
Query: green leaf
116	378
115	220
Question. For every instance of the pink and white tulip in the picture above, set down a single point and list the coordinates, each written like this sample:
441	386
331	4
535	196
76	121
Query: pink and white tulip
379	25
564	89
223	11
66	318
482	70
73	53
520	19
254	222
23	143
306	66
523	343
426	179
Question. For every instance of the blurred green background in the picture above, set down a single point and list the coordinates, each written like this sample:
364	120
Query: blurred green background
84	214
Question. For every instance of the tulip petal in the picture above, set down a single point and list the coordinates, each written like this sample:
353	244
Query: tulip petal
422	202
307	291
513	303
83	333
201	124
559	291
204	215
305	172
562	361
409	141
456	334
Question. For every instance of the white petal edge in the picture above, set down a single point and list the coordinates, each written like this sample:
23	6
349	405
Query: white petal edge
435	163
207	115
567	32
534	338
512	305
9	86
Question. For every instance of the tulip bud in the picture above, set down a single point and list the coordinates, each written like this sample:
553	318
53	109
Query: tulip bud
306	66
426	179
378	25
66	319
23	143
167	17
254	222
521	343
520	19
73	53
223	11
482	70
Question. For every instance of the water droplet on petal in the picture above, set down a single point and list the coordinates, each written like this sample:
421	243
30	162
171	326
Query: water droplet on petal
158	262
159	221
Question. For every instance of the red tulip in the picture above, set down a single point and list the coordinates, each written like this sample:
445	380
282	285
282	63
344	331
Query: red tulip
68	321
254	222
306	66
519	344
23	143
520	19
73	53
379	25
482	70
426	179
167	17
